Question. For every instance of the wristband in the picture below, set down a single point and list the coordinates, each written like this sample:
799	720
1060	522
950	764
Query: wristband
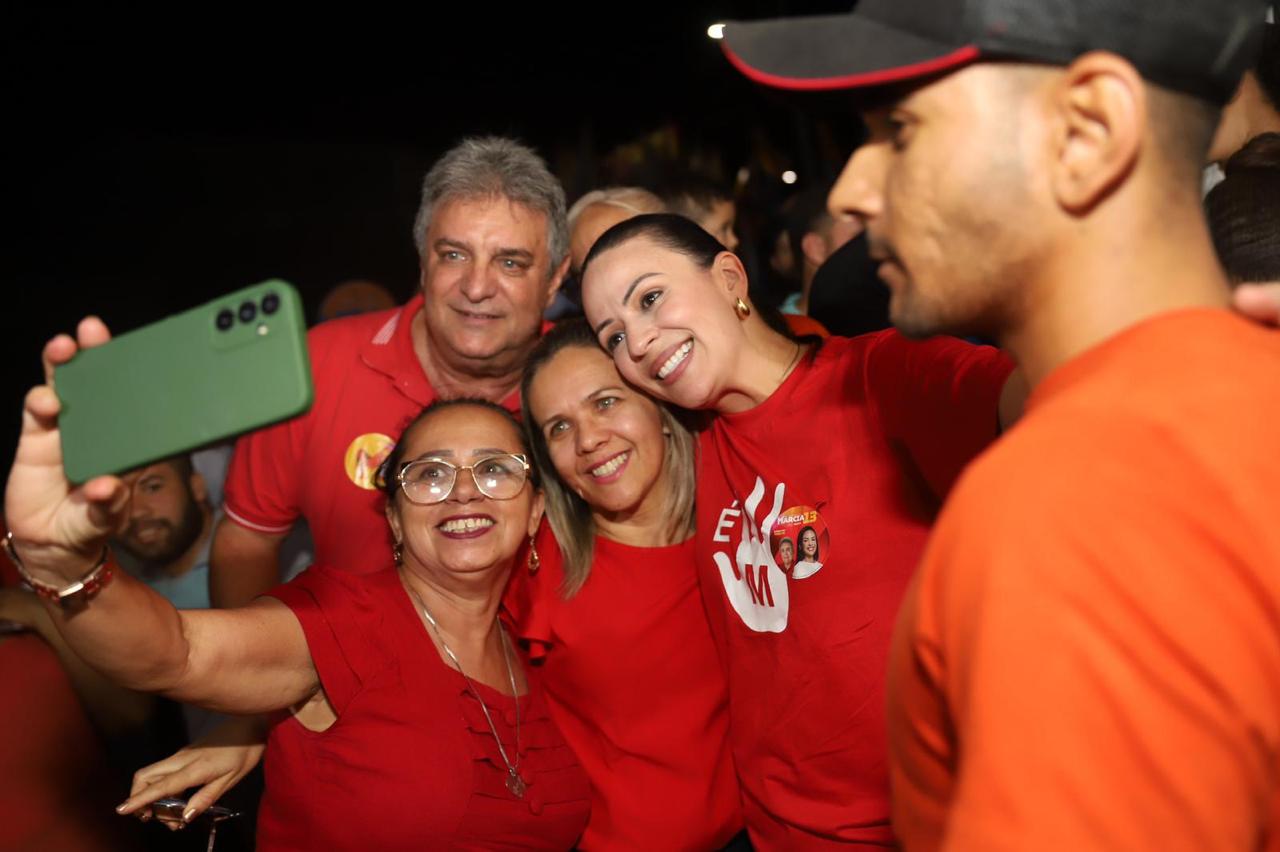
70	596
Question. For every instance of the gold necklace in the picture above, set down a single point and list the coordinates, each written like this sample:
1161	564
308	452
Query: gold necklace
514	782
794	360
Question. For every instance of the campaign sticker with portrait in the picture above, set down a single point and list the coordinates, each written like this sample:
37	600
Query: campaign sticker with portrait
799	541
363	457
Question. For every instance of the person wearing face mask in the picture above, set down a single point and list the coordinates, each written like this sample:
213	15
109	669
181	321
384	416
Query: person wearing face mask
859	437
374	671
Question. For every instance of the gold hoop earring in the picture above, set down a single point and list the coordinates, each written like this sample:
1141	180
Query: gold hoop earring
743	309
535	562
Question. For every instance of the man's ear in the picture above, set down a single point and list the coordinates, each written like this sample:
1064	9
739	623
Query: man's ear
814	248
422	274
1099	107
557	278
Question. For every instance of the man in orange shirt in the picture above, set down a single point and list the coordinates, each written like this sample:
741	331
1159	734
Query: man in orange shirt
1089	657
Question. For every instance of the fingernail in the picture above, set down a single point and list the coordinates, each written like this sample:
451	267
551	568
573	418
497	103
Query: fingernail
188	814
120	808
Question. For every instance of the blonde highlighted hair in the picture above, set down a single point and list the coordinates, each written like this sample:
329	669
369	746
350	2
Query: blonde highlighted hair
570	516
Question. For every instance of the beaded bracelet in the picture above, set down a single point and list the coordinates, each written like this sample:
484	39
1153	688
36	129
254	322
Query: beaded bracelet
76	593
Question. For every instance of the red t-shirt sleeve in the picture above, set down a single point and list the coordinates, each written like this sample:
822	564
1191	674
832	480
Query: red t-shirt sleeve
262	481
320	598
938	398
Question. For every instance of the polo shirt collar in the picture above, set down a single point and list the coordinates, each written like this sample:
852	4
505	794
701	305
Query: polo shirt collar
390	352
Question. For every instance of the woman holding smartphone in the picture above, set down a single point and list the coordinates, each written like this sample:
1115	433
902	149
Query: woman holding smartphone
611	614
373	672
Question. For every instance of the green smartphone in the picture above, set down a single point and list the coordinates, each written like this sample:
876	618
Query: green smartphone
226	367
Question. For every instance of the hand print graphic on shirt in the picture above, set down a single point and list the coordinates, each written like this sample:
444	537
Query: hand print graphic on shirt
755	585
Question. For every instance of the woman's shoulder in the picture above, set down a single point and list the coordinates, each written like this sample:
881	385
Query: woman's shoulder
345	600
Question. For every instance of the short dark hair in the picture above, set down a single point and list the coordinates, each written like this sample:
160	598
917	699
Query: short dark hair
389	469
182	465
668	230
692	195
1244	212
1184	126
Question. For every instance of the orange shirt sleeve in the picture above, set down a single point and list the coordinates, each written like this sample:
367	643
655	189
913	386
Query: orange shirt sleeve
1105	676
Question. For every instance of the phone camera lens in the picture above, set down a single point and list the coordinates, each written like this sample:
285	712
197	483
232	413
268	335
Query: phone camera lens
226	319
270	303
248	310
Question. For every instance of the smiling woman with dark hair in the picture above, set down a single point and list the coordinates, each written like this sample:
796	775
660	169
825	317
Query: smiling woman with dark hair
863	434
399	686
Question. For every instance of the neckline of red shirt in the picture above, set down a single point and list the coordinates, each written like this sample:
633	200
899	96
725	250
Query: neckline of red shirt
621	548
412	623
803	367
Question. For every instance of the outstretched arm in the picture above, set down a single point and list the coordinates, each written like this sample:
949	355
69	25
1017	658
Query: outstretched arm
241	661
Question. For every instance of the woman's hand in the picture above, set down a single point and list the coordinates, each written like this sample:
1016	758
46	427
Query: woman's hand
215	764
60	529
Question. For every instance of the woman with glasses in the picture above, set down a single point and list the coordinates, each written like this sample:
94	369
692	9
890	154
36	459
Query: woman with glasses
609	607
410	719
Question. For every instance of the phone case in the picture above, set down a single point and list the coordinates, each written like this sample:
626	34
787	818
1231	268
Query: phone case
226	367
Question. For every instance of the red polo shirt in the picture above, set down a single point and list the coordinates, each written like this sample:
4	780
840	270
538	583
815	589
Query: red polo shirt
320	466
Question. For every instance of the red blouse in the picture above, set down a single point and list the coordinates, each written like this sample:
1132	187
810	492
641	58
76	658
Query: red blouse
411	762
634	683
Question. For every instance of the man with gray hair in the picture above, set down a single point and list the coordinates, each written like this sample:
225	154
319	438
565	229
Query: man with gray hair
492	244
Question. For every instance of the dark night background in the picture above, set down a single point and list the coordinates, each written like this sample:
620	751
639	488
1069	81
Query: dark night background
160	161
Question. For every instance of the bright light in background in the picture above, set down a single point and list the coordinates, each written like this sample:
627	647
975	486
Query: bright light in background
744	174
716	31
788	177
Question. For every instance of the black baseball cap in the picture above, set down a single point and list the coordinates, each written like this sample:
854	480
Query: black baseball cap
1200	47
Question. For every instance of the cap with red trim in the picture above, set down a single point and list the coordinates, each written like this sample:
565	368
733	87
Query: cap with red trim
1200	47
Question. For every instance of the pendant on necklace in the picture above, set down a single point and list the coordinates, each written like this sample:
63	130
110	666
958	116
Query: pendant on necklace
515	784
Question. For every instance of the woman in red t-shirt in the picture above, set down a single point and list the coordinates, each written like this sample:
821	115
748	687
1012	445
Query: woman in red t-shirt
411	718
614	613
818	478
